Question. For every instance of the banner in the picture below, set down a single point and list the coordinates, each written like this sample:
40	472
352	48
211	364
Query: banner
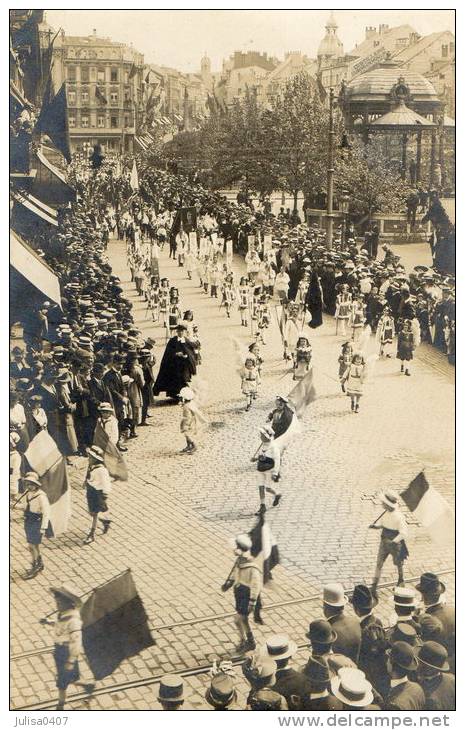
44	457
114	625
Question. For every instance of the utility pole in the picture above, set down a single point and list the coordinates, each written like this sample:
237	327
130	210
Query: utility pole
330	177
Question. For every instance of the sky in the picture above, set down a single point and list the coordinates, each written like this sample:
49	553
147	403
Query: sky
179	38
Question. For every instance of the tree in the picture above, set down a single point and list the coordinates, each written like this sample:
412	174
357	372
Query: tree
369	178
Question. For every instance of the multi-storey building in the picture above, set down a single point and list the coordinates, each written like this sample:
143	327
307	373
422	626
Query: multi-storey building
104	90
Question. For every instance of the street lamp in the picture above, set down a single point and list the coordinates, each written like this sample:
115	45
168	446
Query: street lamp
330	175
344	205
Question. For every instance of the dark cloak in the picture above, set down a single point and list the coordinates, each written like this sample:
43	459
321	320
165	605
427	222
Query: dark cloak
175	371
314	301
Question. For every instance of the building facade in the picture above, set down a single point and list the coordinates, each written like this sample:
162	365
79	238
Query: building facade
104	87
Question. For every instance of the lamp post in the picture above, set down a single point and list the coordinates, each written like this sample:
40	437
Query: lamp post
330	175
344	203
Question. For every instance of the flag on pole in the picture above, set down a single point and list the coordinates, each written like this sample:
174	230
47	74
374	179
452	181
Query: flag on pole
114	625
112	457
303	393
100	96
53	119
134	181
430	509
132	72
44	457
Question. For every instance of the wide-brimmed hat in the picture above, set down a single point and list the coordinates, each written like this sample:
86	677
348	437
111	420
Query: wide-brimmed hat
321	632
284	398
68	592
389	500
186	393
95	452
32	477
221	692
404	596
430	583
362	597
279	646
434	655
403	655
243	541
266	699
333	595
105	407
171	688
351	688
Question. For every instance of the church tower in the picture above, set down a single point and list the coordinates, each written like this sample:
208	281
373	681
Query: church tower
330	46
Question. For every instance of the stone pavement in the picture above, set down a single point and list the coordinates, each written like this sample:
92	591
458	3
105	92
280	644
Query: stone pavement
175	516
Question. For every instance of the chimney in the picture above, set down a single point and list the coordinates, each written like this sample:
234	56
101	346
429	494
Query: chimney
383	28
370	31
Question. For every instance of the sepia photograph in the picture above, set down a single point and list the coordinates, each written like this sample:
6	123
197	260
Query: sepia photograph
232	313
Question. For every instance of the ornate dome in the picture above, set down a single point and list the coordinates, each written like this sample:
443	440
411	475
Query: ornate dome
380	83
331	46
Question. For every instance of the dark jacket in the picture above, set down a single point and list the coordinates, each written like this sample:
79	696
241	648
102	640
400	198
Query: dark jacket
349	635
446	615
294	686
440	693
323	704
408	696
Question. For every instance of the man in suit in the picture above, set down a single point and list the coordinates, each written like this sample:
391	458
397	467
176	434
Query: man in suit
114	382
432	590
438	685
347	628
403	695
18	366
373	643
322	638
291	684
320	699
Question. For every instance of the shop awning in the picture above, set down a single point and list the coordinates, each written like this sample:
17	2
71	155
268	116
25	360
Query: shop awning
27	263
42	211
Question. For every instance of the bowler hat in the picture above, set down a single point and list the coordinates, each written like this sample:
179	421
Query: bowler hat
321	632
333	595
403	655
430	583
221	692
434	655
266	699
362	597
171	688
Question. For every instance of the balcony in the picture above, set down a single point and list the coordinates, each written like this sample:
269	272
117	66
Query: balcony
100	131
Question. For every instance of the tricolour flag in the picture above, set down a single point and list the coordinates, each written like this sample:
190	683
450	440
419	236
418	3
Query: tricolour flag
132	72
134	181
114	625
112	457
44	457
100	96
430	509
53	119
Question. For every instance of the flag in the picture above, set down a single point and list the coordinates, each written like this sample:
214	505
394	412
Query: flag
303	393
100	96
132	72
114	625
264	546
134	180
53	119
112	457
44	457
430	509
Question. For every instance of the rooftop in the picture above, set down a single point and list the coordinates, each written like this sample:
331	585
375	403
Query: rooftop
379	82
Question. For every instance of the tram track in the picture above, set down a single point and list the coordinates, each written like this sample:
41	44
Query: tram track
189	671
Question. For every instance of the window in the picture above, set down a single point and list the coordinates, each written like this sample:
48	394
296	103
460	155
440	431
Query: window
85	73
100	121
85	96
114	97
84	121
101	74
93	73
126	121
113	122
71	97
71	122
71	73
114	75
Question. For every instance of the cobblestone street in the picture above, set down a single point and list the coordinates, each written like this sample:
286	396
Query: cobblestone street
175	516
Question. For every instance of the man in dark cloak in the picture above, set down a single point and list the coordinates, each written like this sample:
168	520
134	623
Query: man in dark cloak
177	365
314	301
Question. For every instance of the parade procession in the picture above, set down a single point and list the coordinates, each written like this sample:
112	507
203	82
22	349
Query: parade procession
232	365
